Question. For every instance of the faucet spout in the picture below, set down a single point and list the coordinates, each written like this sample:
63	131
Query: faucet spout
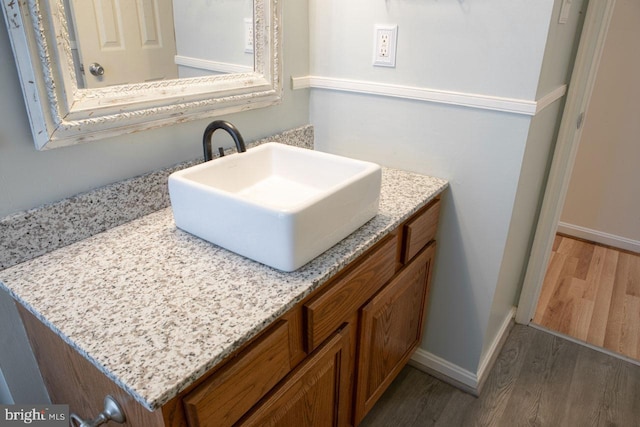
207	138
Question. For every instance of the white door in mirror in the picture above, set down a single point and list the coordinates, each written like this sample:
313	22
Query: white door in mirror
134	43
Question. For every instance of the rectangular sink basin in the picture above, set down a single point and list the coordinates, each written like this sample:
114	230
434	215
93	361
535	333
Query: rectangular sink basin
276	204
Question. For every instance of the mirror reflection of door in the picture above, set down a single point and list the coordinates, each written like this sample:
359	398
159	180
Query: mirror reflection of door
133	41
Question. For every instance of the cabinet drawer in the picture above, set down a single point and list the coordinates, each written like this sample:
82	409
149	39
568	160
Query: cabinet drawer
223	398
344	297
420	230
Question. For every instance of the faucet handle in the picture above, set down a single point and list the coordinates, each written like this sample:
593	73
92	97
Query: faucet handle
208	136
221	151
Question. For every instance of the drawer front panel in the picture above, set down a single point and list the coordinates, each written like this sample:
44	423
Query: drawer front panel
223	398
325	313
419	231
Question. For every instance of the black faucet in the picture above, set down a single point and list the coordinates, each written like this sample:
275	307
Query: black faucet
208	137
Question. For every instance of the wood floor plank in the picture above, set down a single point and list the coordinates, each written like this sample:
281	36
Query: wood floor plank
583	401
545	375
630	327
602	301
455	411
558	308
594	274
615	320
498	388
411	407
584	252
620	396
556	263
598	316
581	319
569	315
567	246
538	380
633	274
433	414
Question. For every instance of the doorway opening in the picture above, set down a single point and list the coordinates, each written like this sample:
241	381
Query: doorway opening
575	285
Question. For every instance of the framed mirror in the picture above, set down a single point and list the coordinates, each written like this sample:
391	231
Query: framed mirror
75	92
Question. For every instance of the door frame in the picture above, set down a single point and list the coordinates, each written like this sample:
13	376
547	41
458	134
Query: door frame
581	85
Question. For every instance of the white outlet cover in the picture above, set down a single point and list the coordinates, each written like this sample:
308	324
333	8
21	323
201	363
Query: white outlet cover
565	9
390	59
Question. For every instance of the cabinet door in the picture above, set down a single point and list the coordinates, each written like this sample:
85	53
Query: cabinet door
391	329
315	394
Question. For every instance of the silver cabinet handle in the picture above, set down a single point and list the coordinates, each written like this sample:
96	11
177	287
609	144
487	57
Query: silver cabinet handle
112	412
96	69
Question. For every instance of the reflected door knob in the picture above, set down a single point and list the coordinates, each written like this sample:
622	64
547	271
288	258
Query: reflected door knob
96	69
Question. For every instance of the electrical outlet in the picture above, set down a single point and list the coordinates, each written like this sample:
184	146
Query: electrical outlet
248	35
384	45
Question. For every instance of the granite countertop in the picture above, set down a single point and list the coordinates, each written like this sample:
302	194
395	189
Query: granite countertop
154	308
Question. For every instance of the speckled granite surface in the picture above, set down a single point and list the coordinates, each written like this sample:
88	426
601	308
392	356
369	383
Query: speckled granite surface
32	233
154	307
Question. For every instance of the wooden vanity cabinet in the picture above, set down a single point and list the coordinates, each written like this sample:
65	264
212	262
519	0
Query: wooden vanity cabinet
324	363
315	394
344	296
392	322
391	326
228	394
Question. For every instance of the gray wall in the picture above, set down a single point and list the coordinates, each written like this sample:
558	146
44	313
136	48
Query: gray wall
561	47
490	48
220	21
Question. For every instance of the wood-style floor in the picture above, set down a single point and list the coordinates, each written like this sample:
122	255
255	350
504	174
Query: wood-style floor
538	380
592	293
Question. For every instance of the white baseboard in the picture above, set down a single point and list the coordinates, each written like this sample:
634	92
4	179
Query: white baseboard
599	237
493	351
218	67
459	377
445	371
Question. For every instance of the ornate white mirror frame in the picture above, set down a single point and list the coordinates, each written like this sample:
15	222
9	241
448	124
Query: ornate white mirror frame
62	114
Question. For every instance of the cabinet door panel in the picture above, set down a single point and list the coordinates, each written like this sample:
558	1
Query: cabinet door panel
391	329
315	394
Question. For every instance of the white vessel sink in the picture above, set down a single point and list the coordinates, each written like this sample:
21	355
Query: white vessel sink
276	204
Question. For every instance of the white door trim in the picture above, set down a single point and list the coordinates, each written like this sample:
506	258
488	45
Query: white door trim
579	94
